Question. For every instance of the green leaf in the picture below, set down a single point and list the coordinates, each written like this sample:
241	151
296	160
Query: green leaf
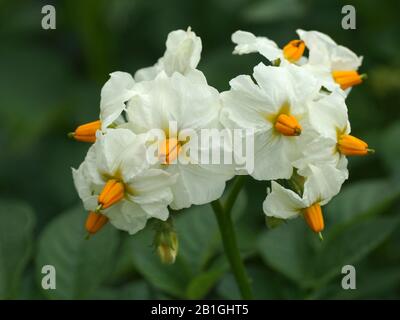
351	245
390	148
372	284
198	236
199	242
369	197
289	250
30	288
138	290
201	284
294	251
266	284
81	264
17	221
170	278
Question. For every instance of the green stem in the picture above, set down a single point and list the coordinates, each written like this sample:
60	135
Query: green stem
223	215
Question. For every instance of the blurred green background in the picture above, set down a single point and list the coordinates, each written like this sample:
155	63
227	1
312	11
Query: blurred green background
50	82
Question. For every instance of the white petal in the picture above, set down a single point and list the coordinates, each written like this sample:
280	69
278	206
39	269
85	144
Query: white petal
325	52
197	184
148	73
316	151
152	192
282	203
288	84
247	42
242	110
186	100
127	216
116	91
183	52
273	156
112	149
84	189
329	115
323	183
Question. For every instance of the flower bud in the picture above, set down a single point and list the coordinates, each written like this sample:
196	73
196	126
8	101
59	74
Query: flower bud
166	242
86	132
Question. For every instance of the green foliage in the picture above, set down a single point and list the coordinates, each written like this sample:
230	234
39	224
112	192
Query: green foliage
16	244
300	256
82	264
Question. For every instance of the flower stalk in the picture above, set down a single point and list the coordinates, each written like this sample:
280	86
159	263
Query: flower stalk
223	215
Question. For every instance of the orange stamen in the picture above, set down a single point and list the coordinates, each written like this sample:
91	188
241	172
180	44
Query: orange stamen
112	192
294	50
347	79
169	150
314	218
349	145
95	221
86	132
287	125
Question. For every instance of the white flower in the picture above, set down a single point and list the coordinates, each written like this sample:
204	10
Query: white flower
193	105
182	55
276	108
321	185
120	155
247	42
328	119
333	142
334	64
115	92
326	53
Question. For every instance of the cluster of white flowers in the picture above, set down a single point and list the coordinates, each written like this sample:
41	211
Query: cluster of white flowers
117	182
295	107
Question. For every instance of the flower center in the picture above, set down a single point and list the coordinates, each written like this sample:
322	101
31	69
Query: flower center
349	145
287	125
347	79
314	217
169	150
86	132
294	50
112	192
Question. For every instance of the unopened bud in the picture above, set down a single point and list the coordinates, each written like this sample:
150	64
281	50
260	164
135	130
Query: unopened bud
166	242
